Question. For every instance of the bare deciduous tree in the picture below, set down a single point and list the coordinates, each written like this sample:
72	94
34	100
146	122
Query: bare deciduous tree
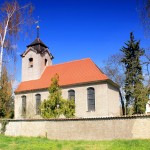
114	69
146	68
13	17
143	9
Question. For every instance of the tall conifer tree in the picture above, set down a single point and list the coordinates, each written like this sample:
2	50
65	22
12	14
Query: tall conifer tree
133	72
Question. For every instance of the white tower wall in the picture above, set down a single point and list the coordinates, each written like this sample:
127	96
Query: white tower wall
39	64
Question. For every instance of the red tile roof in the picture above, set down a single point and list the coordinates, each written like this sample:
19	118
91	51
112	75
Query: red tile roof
70	73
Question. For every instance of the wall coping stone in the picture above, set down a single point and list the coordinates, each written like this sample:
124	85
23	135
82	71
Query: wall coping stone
81	119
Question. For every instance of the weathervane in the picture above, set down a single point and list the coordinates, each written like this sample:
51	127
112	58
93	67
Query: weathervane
38	27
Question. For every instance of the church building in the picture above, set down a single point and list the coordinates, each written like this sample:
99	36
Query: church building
94	93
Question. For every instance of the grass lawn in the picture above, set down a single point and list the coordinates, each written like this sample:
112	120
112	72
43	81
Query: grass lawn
24	143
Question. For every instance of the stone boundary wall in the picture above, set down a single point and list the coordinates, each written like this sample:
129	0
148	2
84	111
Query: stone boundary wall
132	127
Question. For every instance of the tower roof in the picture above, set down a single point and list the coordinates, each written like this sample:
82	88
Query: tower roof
37	44
37	41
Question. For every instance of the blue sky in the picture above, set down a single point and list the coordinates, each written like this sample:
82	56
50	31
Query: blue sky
76	29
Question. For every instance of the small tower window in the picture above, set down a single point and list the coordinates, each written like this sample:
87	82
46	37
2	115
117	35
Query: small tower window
45	62
30	62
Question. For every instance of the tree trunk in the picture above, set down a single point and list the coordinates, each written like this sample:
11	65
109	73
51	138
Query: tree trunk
1	59
122	103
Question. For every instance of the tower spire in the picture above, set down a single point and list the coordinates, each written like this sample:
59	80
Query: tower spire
38	28
38	31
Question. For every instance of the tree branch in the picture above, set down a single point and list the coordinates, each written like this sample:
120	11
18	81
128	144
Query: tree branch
16	25
23	7
5	30
11	14
148	70
0	37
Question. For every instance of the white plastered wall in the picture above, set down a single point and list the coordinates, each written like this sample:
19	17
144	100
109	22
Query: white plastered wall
106	101
148	107
35	72
113	101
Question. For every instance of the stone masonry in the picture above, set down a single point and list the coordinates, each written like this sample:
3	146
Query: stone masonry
83	129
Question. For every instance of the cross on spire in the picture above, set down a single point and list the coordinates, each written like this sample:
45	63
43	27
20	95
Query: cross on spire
38	28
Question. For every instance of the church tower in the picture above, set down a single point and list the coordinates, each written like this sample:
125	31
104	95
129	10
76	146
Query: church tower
35	59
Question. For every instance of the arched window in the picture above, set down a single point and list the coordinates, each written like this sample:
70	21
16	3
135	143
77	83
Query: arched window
23	105
30	62
71	94
91	99
45	62
38	103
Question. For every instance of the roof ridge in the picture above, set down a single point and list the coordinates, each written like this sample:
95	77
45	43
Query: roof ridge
70	62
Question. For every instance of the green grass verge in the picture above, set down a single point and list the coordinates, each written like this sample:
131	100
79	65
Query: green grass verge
30	143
